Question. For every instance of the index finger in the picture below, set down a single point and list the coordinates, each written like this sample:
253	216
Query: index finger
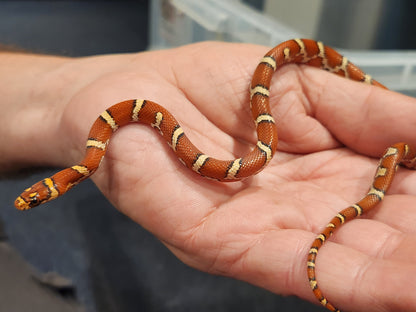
365	118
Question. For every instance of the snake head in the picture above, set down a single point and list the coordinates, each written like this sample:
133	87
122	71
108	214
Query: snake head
33	196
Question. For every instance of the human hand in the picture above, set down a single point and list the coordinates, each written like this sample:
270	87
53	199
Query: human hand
260	229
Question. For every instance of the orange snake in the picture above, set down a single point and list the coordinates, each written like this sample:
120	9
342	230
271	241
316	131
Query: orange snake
299	51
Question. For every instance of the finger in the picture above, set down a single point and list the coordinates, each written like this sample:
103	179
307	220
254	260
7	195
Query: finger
277	262
365	118
386	286
377	239
350	279
396	211
355	281
218	85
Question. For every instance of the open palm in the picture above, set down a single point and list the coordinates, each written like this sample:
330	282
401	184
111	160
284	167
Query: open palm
259	230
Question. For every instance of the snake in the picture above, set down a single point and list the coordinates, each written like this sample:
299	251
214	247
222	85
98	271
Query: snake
295	51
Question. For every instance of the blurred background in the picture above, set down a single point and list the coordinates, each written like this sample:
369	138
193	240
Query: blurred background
101	260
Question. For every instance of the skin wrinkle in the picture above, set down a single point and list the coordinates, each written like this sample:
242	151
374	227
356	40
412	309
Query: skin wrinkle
235	265
348	295
378	124
313	226
318	86
288	111
315	173
401	222
391	302
234	262
282	217
289	141
397	240
240	110
242	113
193	239
357	137
315	111
348	235
310	135
289	276
385	250
302	253
300	72
406	183
360	126
305	100
319	90
212	141
304	91
268	241
308	72
314	177
175	82
359	276
213	122
358	193
239	266
184	237
190	238
296	171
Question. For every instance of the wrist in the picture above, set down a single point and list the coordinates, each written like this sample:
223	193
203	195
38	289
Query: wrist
32	105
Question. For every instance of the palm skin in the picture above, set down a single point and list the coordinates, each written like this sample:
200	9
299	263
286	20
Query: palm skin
259	230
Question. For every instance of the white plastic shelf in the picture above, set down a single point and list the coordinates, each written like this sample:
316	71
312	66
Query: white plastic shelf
179	22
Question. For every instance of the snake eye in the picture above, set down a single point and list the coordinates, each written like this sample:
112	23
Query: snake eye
34	201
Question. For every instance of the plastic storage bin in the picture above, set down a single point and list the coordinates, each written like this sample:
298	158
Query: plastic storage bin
179	22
